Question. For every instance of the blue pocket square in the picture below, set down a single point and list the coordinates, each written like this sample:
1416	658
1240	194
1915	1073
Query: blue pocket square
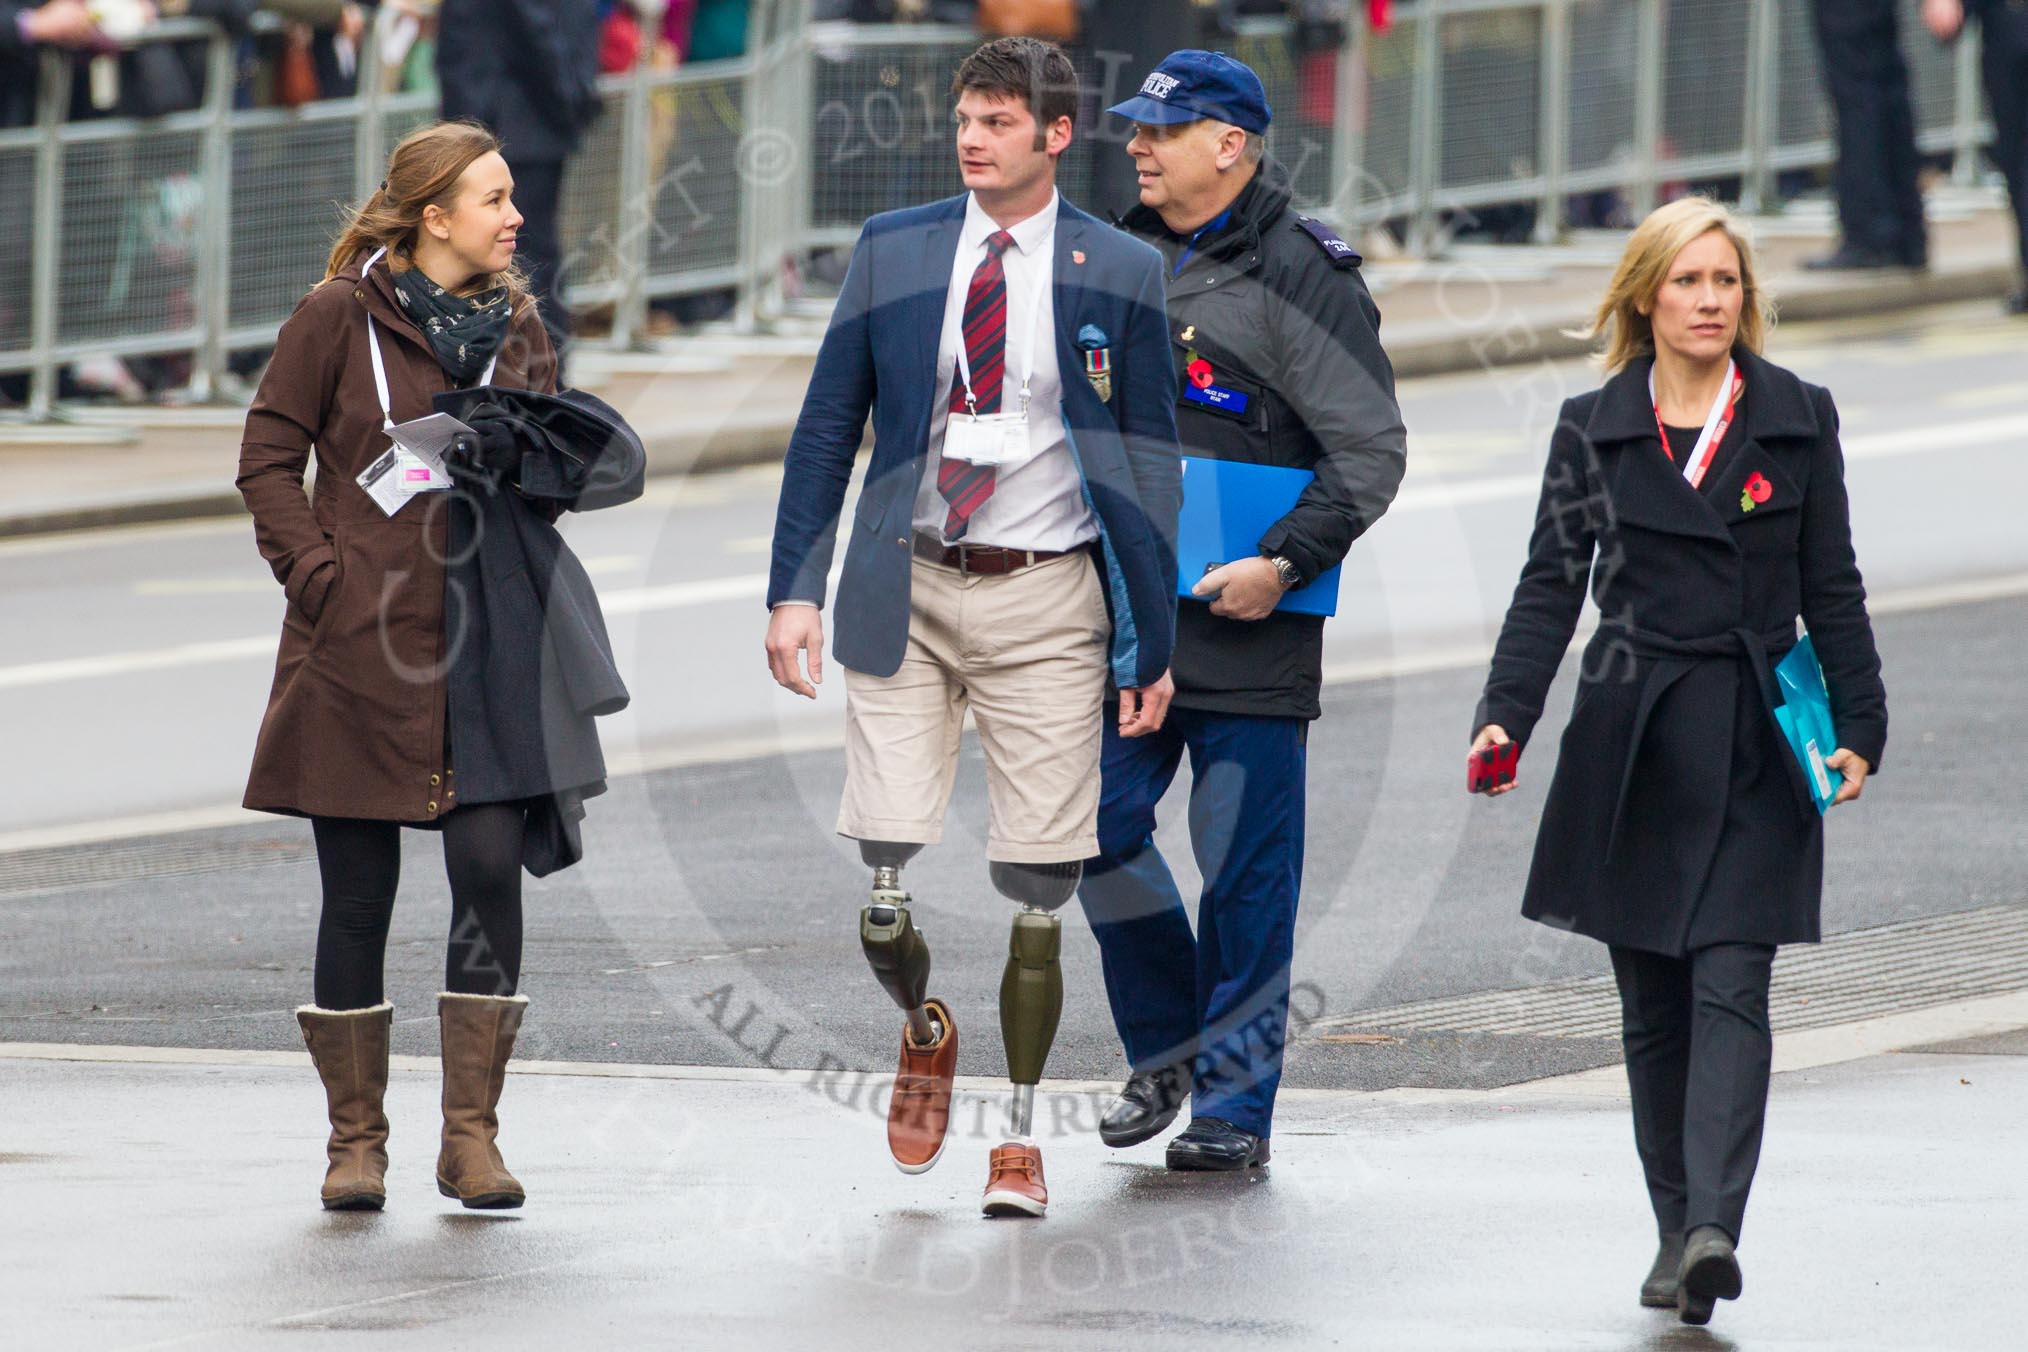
1091	338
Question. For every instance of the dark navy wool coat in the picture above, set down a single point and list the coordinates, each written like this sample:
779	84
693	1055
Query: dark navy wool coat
1677	817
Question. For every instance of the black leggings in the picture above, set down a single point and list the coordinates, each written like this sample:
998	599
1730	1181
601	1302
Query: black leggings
360	863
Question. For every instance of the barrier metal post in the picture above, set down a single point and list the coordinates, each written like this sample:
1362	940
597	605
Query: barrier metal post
369	141
1553	154
1646	181
211	279
1353	104
630	310
1965	149
1756	185
46	245
1425	121
770	105
746	293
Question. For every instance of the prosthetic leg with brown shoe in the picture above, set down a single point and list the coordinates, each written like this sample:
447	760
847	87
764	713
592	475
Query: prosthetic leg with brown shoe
478	1034
1031	1002
349	1049
919	1110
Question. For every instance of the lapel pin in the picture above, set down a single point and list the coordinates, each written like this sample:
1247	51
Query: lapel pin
1758	490
1189	334
1077	257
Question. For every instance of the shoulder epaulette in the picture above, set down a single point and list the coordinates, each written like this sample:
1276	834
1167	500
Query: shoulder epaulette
1341	254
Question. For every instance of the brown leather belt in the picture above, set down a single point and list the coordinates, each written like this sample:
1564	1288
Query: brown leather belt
982	560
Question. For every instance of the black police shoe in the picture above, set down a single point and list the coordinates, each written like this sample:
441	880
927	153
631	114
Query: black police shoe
2016	304
1710	1273
1854	257
1658	1292
1212	1143
1147	1104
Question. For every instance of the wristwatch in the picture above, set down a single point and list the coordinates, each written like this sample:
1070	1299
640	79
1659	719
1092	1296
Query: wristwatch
1286	570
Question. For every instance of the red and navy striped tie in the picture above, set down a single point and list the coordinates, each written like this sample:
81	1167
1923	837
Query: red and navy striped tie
966	486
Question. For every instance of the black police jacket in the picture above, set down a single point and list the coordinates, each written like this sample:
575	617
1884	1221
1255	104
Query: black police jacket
1273	302
527	69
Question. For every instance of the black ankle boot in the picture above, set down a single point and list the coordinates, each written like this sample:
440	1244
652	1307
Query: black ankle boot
1658	1291
1710	1273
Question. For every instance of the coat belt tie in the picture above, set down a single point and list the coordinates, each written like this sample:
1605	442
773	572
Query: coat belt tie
1672	659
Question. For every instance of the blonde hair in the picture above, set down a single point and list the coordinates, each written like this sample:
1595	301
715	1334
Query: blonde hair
1626	332
423	171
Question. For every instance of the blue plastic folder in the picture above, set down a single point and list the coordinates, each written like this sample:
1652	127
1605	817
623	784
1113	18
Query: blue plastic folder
1805	718
1227	506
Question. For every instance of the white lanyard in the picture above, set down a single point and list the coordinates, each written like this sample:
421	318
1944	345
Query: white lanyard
1034	341
380	365
1715	423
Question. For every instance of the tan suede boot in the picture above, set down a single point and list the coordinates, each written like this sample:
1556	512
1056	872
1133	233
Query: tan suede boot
349	1049
478	1036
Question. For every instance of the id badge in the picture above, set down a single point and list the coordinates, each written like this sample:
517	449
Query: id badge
989	439
417	475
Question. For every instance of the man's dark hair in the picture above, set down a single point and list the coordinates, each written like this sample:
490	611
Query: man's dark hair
1036	72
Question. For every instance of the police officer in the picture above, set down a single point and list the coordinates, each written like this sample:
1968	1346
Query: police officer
1880	215
1279	342
2003	59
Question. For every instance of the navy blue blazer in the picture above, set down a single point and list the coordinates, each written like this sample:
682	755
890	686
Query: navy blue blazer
880	356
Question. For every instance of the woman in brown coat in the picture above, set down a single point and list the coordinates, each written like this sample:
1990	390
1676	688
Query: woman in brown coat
421	285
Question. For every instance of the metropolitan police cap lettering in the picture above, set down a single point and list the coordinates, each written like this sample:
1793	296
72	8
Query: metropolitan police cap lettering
1192	85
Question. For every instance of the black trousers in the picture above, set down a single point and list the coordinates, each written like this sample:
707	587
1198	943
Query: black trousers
538	195
360	865
1698	1058
1879	203
2004	62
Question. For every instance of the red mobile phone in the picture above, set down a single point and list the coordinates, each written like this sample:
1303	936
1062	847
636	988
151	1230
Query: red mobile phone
1493	767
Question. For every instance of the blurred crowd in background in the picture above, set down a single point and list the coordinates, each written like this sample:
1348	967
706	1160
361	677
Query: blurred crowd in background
314	53
529	70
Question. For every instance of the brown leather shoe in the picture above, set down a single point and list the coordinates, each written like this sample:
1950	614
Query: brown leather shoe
919	1111
1014	1184
349	1049
478	1036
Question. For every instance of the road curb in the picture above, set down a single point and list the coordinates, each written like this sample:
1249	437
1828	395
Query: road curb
1431	348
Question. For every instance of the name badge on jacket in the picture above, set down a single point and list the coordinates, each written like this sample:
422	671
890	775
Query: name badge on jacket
987	438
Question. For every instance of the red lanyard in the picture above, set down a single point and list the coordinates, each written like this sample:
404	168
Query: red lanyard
1714	432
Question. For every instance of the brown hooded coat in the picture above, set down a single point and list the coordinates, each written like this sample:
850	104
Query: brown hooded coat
356	720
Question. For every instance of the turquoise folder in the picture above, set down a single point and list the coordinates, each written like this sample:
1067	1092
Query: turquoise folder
1805	719
1227	506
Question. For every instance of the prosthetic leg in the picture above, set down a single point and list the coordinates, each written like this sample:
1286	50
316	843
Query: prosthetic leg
919	1110
1031	1001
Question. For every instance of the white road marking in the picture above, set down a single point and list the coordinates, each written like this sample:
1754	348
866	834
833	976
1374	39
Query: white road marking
245	585
623	762
1985	396
150	659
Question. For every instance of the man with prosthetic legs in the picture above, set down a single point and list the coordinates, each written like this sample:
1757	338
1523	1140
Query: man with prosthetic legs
1011	555
1031	1001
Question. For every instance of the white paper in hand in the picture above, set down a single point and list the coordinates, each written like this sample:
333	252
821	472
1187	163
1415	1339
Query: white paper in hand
414	463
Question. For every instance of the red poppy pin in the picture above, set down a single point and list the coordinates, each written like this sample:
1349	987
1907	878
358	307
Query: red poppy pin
1201	374
1758	490
1077	256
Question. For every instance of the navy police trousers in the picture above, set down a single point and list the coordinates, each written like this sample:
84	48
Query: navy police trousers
1219	998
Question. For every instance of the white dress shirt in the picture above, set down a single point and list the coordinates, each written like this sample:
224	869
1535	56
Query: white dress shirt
1038	501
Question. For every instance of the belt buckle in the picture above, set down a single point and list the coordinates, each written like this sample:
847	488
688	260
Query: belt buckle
963	569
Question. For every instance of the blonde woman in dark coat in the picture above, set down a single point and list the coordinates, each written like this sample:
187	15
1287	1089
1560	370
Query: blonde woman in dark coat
1701	491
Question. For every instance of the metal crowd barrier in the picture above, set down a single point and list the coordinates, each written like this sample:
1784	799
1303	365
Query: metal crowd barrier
197	232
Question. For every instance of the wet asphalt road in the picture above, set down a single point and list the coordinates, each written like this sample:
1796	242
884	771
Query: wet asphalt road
711	889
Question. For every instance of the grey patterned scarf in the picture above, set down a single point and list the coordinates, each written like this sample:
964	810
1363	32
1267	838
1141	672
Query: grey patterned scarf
464	331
